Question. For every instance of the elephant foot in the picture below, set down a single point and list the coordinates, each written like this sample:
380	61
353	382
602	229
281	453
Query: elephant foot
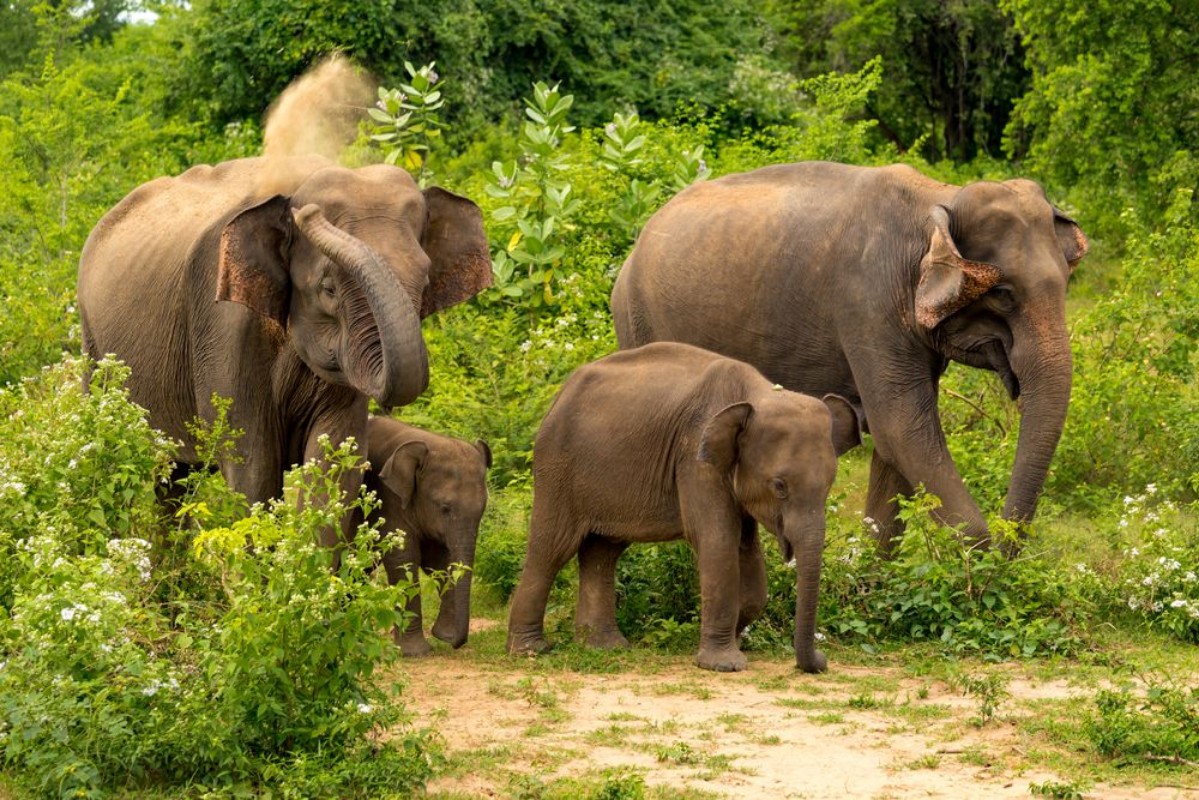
726	660
602	639
453	638
812	663
527	643
412	645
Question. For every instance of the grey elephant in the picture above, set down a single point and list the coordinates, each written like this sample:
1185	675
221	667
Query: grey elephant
866	282
434	489
293	286
669	441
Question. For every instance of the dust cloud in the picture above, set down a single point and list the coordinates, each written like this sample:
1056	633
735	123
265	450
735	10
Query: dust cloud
318	113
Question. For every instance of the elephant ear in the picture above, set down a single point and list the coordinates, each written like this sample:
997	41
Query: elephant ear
718	445
948	282
399	471
252	268
484	451
1070	237
847	423
457	247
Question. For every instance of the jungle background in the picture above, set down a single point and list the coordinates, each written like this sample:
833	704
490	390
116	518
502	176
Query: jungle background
152	654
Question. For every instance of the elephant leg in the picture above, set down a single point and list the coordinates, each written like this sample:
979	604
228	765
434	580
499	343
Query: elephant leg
907	436
715	533
753	575
552	542
339	424
435	556
403	563
882	508
595	618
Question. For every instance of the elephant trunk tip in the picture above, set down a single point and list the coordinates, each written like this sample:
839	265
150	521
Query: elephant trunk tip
812	663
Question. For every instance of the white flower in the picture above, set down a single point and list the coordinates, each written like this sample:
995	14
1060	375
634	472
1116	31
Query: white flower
525	346
1150	488
819	636
1190	577
365	708
1178	603
68	613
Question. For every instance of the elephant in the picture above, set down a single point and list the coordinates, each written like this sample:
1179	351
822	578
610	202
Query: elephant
866	282
292	286
669	441
433	488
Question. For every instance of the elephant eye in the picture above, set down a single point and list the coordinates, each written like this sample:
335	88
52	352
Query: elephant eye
328	287
1003	296
779	487
446	509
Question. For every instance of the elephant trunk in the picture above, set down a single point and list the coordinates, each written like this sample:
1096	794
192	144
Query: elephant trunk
1042	364
807	540
386	356
453	620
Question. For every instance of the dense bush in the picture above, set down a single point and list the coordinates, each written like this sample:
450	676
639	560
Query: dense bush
138	652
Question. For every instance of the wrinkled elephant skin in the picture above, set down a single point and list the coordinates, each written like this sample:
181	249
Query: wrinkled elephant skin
432	491
291	286
866	282
669	441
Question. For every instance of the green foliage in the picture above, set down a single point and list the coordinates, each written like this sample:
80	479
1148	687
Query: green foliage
240	55
80	466
407	122
1132	411
935	588
1158	578
1159	723
1110	103
133	656
537	202
952	70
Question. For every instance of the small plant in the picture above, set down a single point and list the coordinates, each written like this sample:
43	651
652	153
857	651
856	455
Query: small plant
991	691
1055	789
679	753
539	202
1160	724
407	122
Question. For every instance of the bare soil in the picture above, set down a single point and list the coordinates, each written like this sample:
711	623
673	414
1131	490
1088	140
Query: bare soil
768	732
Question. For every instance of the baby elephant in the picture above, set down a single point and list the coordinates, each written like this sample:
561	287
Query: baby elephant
668	441
435	489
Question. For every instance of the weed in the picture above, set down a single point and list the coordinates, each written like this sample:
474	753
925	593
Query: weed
1059	791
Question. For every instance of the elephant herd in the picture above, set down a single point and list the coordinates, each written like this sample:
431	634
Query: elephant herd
765	321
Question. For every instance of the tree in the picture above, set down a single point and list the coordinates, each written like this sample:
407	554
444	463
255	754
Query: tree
1113	99
952	68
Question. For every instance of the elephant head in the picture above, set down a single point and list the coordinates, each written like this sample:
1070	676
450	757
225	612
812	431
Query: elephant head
347	264
442	496
990	293
781	451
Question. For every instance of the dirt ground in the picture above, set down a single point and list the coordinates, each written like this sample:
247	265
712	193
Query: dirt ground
768	732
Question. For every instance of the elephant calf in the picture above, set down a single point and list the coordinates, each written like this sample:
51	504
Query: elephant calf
434	489
668	441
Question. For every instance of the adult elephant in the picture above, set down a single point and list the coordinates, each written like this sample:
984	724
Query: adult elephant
866	282
293	286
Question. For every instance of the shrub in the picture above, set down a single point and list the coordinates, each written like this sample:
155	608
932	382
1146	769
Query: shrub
935	588
1161	724
1158	577
232	666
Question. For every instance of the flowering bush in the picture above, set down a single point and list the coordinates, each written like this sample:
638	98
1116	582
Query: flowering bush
1159	575
135	654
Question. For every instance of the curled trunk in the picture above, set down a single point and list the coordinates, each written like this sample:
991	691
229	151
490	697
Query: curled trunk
387	359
